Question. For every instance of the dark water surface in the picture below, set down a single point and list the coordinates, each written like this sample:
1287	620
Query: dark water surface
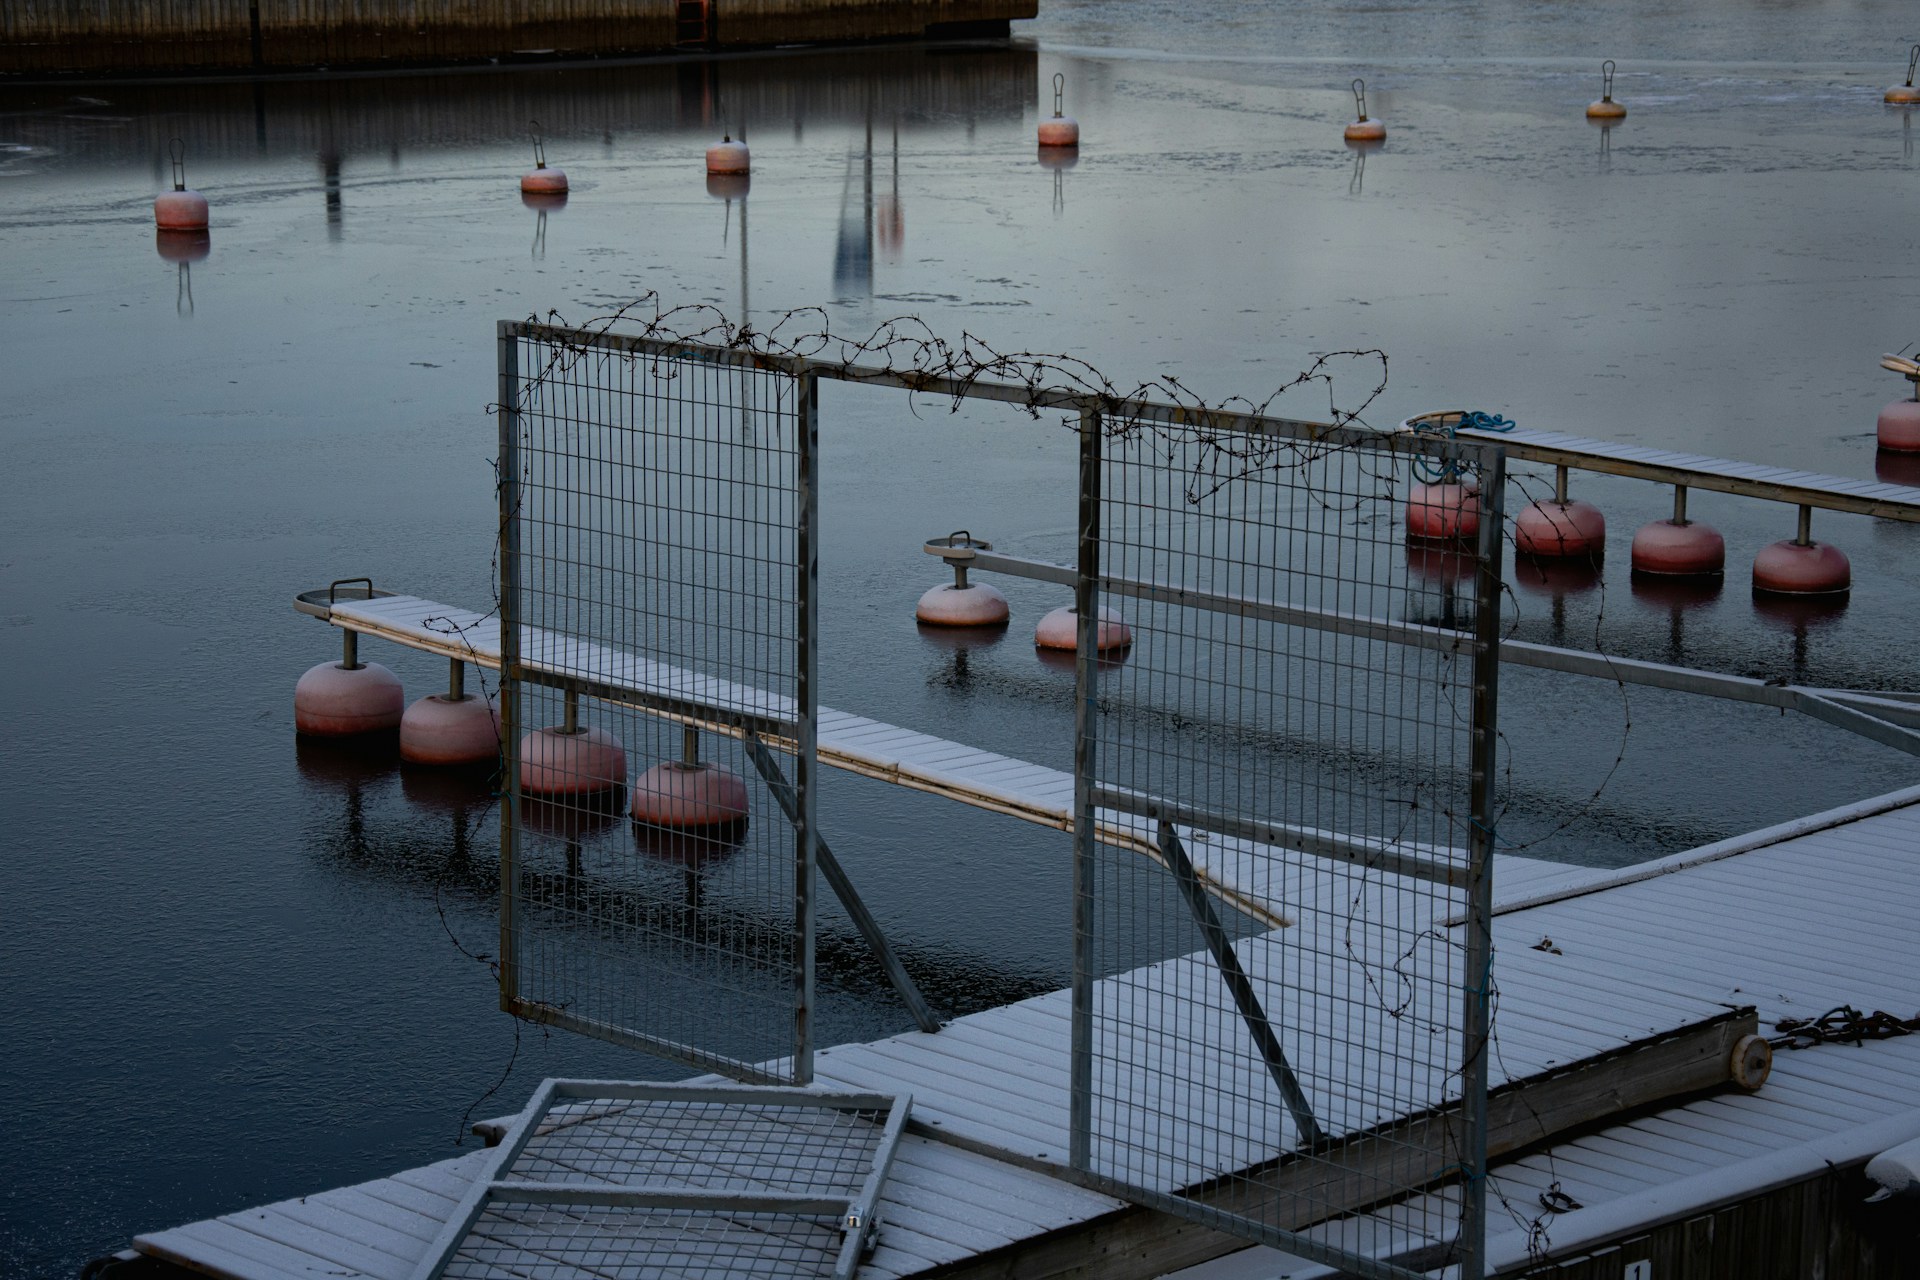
231	966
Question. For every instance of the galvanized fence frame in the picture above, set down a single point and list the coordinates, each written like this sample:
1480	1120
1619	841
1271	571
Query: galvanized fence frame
700	700
1463	1123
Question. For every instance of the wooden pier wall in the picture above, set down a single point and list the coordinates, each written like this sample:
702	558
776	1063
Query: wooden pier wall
62	36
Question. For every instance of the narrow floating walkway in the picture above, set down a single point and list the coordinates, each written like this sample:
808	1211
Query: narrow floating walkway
1235	870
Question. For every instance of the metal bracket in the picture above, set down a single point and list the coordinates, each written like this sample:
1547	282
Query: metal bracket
836	878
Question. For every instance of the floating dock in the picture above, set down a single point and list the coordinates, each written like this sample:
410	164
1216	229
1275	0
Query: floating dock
1598	969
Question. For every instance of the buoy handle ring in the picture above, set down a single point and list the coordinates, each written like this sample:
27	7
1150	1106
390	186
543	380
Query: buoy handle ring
539	147
957	546
1606	81
1060	92
178	150
1360	100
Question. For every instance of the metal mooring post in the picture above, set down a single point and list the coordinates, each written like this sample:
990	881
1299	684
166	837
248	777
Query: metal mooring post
1476	992
1086	601
508	471
806	728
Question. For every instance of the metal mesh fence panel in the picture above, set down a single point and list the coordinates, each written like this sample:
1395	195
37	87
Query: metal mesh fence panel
655	575
1295	717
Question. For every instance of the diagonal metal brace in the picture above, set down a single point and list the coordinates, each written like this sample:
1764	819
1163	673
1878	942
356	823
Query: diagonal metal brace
836	878
1240	986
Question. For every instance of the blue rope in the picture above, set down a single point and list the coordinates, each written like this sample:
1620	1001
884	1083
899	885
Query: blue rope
1430	471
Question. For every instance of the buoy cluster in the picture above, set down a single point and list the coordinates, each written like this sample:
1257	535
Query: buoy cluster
1561	530
962	605
566	766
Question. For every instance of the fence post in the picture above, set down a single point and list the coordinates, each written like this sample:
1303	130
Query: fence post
1086	600
1477	987
806	727
508	482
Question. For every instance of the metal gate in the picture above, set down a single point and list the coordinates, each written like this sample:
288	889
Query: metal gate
656	598
1290	723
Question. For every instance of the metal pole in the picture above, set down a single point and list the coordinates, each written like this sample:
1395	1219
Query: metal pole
1804	537
806	728
1679	504
1560	486
1477	984
456	680
1086	599
349	648
509	483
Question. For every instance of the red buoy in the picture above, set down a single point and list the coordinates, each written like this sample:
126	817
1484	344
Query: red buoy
728	156
451	728
1683	549
1898	429
563	761
676	794
1061	630
1448	511
542	181
1364	128
1606	108
1801	566
950	605
339	699
1906	95
1802	569
180	209
1061	130
1559	530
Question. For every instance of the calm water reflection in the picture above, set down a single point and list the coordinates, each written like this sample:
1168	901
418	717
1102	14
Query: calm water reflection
231	957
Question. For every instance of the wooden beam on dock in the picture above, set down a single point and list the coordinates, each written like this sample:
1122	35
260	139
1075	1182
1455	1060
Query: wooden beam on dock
1367	1169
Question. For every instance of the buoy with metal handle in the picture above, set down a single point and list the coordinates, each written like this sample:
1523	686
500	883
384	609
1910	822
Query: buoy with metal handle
571	760
728	156
1801	566
1679	548
1606	108
1560	528
1061	130
451	728
179	209
961	603
349	697
689	792
542	181
1364	128
1906	95
1899	426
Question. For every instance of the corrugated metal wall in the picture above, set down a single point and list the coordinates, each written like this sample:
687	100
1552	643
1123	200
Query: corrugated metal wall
180	35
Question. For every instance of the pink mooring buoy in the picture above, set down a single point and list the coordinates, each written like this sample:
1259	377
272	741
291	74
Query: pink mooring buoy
571	760
960	603
451	728
542	181
349	697
1679	548
1898	429
1061	630
690	792
728	156
180	209
1060	130
1443	511
1364	128
1802	567
1560	528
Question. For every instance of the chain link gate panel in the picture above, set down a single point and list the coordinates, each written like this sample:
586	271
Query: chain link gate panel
657	696
1304	718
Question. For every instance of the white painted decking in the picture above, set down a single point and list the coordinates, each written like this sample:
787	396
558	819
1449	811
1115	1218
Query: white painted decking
1826	915
996	1079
